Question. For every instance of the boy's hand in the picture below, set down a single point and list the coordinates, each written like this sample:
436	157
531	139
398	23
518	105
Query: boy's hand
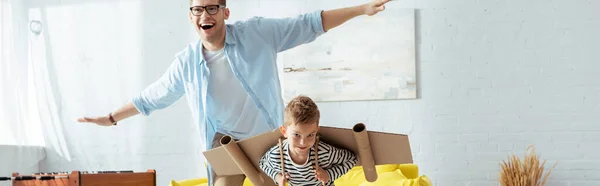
281	180
322	175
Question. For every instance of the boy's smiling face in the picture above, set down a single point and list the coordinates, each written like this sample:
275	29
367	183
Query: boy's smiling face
301	137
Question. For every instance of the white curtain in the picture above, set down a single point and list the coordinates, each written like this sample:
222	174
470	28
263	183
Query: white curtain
62	60
13	78
48	78
21	128
67	59
50	74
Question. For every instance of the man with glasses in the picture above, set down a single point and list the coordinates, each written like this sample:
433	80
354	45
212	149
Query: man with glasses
230	74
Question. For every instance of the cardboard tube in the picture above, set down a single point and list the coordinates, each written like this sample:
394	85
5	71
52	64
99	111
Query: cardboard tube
317	152
282	160
364	151
241	160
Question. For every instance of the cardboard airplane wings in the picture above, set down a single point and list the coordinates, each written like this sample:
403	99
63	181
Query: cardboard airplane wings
372	148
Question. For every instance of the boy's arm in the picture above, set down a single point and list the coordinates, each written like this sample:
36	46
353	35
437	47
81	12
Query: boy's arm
342	161
268	163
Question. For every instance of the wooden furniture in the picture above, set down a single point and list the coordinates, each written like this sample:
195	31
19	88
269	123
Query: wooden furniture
94	178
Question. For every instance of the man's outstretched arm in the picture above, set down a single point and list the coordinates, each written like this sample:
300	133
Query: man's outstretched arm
122	113
336	17
160	94
286	33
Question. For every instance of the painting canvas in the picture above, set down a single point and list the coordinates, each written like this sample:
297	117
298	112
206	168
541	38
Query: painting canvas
366	58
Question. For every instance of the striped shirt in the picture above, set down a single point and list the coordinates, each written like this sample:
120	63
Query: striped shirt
335	161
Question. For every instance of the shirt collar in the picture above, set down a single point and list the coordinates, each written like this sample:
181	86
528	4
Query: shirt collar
229	37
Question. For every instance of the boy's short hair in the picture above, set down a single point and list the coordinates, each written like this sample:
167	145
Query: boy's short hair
301	110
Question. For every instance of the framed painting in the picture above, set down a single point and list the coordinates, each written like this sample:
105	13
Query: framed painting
366	58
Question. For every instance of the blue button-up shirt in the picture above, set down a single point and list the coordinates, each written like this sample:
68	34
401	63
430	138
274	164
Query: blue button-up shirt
251	47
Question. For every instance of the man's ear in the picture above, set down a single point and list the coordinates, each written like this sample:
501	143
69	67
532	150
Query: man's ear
226	13
282	129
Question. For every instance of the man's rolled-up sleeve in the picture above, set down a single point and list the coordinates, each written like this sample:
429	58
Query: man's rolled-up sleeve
286	33
163	92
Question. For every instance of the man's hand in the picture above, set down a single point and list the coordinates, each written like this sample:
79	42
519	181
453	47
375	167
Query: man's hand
375	6
334	18
120	114
102	121
322	175
281	180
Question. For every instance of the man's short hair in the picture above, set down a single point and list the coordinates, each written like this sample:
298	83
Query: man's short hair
221	2
301	110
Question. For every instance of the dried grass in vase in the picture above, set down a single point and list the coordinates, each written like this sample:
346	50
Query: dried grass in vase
524	173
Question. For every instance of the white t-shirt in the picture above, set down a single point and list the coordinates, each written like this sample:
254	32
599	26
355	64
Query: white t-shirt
231	110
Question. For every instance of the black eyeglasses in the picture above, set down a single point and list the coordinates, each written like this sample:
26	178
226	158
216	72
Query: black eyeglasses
211	9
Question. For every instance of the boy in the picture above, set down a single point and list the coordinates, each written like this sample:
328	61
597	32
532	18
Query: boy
301	124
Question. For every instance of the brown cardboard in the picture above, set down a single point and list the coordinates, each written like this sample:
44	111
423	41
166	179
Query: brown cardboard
315	148
282	159
365	154
240	159
386	148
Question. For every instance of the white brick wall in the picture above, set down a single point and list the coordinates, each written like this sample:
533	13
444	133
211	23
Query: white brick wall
494	77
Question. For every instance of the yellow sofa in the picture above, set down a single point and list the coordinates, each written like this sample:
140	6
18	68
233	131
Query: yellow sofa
388	175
